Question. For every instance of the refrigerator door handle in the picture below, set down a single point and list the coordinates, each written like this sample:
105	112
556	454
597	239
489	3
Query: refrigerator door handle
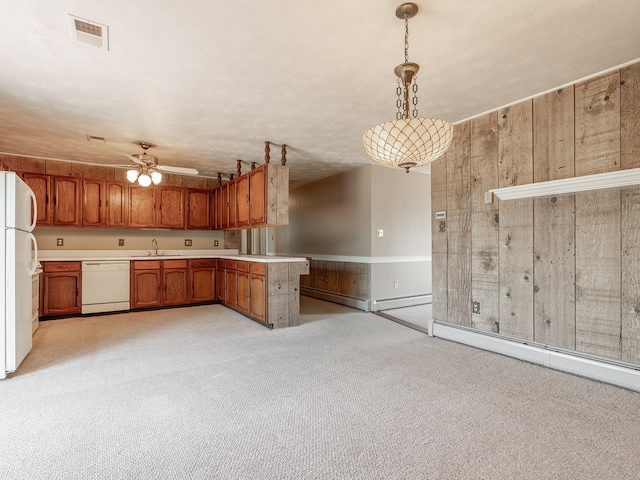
34	266
35	213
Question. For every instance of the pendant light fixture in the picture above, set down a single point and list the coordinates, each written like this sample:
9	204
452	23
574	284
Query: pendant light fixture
408	141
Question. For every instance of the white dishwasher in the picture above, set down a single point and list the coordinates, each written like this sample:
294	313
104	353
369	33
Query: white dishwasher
105	286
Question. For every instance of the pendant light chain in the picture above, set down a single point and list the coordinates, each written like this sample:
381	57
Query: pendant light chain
414	87
399	100
406	38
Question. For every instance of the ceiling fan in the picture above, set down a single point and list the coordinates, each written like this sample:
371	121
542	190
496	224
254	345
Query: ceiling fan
148	170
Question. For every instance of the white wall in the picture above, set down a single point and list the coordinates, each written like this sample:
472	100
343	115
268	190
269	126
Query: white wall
401	207
331	216
339	217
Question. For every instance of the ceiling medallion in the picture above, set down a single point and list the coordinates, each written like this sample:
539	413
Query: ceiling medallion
408	141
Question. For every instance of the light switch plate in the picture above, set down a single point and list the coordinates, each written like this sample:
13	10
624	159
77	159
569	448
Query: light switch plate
380	233
441	215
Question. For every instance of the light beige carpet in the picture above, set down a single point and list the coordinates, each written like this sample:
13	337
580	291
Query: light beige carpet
203	392
418	315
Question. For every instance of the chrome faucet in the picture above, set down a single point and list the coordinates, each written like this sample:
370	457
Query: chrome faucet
154	244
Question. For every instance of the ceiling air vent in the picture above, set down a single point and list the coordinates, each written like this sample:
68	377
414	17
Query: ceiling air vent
87	31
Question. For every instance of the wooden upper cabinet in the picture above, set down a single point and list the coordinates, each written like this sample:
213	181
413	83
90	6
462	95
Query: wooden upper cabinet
198	213
233	203
171	209
142	203
116	204
258	195
242	190
221	203
224	205
93	203
214	209
66	201
41	186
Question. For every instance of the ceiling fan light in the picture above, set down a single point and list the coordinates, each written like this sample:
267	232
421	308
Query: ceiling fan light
144	180
132	175
156	177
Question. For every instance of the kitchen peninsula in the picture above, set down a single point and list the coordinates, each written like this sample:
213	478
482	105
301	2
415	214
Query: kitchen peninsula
264	288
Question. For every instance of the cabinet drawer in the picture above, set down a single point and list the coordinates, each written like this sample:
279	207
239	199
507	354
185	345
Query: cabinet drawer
146	265
221	263
174	264
204	262
231	264
258	268
243	266
62	266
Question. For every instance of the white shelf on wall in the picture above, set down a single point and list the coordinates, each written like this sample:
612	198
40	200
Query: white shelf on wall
587	183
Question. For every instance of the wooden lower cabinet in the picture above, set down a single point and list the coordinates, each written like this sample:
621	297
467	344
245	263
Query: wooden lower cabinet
146	284
248	292
257	299
221	280
266	292
62	288
174	282
243	287
202	275
231	290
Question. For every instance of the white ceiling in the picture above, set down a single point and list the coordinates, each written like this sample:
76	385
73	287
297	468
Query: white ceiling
209	80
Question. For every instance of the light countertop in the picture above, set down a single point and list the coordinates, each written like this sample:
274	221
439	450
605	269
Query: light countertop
101	255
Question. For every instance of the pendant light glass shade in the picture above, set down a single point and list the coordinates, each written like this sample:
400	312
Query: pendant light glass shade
144	180
156	177
132	175
407	143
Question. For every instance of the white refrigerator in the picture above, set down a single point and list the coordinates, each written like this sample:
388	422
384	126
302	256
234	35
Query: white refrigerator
19	255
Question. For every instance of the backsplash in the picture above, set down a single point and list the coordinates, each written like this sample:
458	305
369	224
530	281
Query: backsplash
107	239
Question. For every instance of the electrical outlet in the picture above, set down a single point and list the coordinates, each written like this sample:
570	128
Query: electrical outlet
121	242
395	284
380	233
216	243
187	242
60	242
476	308
488	197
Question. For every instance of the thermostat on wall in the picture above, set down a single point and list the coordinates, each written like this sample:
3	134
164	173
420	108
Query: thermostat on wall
441	215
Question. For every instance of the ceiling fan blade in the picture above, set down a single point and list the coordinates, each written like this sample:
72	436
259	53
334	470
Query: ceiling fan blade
179	170
133	159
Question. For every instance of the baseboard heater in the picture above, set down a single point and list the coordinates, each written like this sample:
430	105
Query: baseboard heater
359	303
622	375
402	302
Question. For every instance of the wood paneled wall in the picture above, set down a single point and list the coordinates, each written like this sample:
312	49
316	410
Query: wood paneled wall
562	271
